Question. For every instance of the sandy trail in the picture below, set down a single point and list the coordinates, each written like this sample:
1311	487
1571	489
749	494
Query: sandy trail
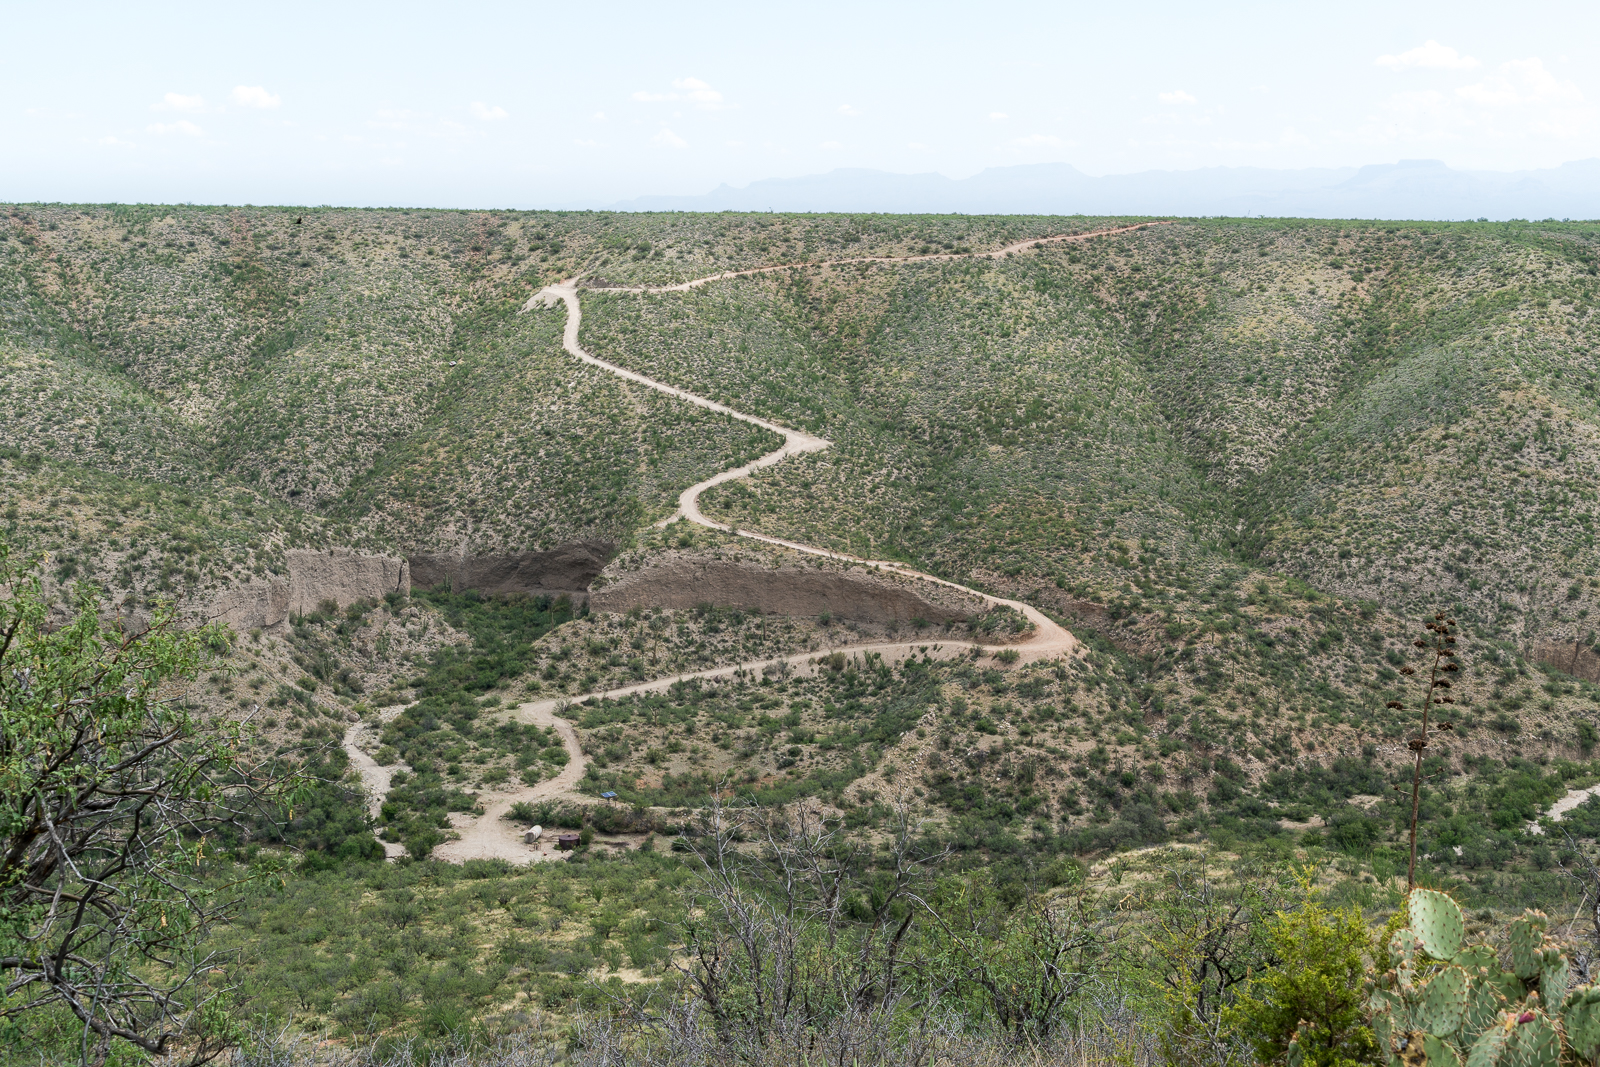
375	777
491	836
1558	810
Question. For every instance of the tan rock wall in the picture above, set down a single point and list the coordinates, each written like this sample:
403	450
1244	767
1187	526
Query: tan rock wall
855	593
1571	656
339	575
342	576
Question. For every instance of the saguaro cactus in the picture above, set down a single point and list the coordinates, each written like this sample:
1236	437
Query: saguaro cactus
1445	1004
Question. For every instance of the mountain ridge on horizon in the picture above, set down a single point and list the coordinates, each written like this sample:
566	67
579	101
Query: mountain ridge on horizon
1423	189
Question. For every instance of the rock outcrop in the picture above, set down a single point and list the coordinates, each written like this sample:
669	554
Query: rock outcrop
684	581
1574	657
569	568
339	575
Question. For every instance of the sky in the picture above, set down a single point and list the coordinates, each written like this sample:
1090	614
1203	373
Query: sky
490	105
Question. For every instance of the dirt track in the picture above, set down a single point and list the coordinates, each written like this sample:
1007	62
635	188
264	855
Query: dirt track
999	253
490	835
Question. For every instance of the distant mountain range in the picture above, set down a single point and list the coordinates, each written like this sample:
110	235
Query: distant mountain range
1410	189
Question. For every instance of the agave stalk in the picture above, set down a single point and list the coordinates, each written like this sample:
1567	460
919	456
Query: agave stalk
1441	646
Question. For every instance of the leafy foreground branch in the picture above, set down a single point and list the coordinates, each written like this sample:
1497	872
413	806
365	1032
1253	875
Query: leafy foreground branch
109	789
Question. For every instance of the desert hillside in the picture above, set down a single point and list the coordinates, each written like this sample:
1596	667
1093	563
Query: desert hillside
1072	540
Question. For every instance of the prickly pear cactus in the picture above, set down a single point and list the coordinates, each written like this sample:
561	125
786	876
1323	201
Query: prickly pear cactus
1444	1005
1297	1049
1555	974
1580	1017
1437	922
1527	939
1443	1002
1533	1042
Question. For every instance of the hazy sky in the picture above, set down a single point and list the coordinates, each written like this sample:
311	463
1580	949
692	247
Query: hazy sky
530	105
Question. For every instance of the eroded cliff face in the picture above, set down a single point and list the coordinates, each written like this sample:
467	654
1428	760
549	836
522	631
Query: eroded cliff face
676	581
340	575
1574	657
569	568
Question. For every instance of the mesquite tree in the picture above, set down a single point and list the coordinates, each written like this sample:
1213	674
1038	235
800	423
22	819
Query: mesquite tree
110	783
800	941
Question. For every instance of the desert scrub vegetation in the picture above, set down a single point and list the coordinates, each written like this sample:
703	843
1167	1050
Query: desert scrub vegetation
292	350
438	735
532	448
1132	431
1216	743
1212	390
953	815
955	445
609	651
1236	458
1207	390
146	539
468	956
435	949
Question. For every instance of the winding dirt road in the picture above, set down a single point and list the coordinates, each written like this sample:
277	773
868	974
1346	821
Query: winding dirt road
999	253
490	836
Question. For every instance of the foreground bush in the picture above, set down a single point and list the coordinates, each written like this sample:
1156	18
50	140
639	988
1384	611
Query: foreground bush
109	787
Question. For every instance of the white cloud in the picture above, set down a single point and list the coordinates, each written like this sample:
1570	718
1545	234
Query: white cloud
599	116
998	116
668	139
1177	96
1521	81
483	111
254	96
699	93
1431	55
409	123
830	146
183	126
392	119
1521	99
692	90
179	102
1039	140
848	109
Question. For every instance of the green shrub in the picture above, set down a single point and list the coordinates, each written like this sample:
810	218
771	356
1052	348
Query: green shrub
1313	996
